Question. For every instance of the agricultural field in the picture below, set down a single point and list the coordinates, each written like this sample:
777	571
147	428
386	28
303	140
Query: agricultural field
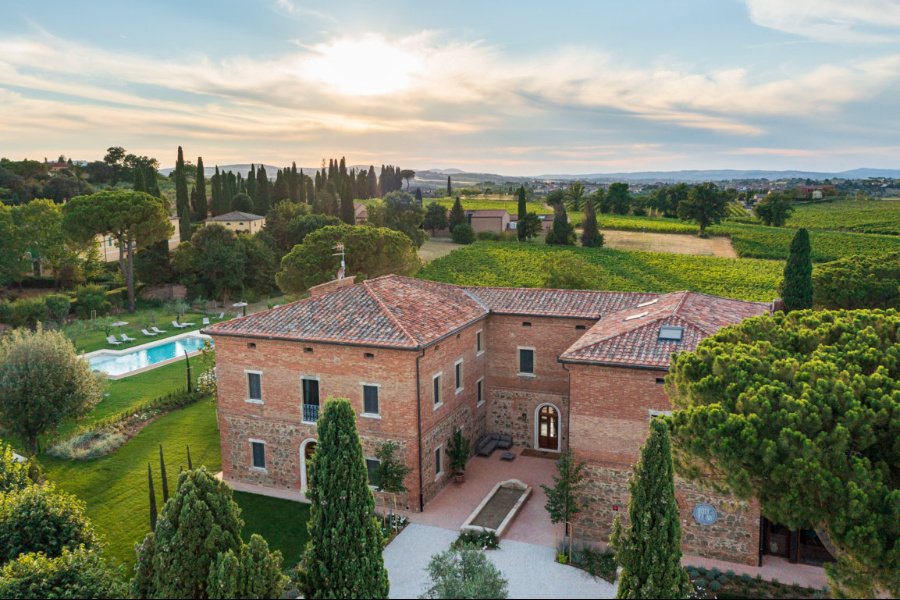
759	241
863	216
525	265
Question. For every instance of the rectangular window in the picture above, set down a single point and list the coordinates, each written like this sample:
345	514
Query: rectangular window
478	347
438	469
370	399
310	399
372	469
436	389
479	391
526	361
457	370
259	454
254	386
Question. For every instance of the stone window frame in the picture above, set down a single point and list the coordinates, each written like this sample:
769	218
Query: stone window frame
479	342
368	415
303	400
438	401
459	376
479	391
438	463
248	399
264	468
519	371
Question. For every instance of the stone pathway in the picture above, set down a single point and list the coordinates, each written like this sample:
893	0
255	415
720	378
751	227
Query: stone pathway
531	570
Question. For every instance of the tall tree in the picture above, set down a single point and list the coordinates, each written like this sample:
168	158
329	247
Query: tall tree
774	209
449	188
348	211
134	219
649	547
435	217
795	410
561	232
465	572
523	210
457	214
139	185
261	200
213	264
575	196
590	235
705	204
565	498
198	199
797	287
343	558
403	213
618	198
182	201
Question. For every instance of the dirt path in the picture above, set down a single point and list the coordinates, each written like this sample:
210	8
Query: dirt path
434	248
676	243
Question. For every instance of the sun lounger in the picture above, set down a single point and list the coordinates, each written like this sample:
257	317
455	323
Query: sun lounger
156	329
206	320
221	315
178	325
148	333
112	340
186	324
125	338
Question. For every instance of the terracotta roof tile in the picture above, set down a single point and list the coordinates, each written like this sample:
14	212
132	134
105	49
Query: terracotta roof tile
631	337
584	304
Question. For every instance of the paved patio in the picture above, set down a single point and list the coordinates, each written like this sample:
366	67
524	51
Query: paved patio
456	501
532	570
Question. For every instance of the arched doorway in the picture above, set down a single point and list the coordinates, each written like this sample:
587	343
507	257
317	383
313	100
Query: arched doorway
546	426
307	449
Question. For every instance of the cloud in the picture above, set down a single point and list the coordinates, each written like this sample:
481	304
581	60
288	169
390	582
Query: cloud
870	21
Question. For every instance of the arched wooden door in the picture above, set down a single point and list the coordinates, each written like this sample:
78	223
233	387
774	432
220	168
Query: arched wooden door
548	428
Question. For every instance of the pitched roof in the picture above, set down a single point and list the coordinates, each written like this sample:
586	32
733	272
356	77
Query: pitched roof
582	304
235	215
390	311
631	337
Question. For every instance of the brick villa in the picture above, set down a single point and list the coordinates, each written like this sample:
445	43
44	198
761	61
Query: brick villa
417	359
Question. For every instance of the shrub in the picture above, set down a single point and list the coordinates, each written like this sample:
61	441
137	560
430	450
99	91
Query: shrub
78	573
465	572
5	312
58	306
484	539
28	312
463	234
90	298
490	236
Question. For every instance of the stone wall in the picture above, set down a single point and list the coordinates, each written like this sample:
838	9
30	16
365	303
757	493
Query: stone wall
734	537
513	412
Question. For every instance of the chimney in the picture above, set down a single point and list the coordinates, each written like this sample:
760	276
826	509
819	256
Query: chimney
330	286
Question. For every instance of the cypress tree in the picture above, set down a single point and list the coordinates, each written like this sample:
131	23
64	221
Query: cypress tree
139	181
293	184
797	287
457	215
182	202
419	196
343	558
152	498
449	188
251	182
163	476
348	213
200	204
151	186
649	548
562	233
590	235
261	201
301	188
520	229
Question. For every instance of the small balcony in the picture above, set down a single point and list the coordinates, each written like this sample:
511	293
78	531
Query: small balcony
310	413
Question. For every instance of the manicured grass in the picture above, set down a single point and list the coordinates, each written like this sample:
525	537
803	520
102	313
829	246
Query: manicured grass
525	265
123	394
281	522
91	335
114	487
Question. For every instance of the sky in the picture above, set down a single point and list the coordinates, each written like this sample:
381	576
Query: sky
513	87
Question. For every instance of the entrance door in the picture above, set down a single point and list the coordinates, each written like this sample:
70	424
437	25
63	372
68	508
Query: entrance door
548	428
306	452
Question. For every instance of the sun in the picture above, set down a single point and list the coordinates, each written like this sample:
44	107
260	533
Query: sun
367	66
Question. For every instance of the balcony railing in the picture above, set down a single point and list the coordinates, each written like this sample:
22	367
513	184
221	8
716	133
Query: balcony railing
310	413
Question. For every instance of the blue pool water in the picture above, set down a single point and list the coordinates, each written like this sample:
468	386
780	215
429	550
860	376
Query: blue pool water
139	359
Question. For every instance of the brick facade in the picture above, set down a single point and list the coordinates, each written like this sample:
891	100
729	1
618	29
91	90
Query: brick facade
603	411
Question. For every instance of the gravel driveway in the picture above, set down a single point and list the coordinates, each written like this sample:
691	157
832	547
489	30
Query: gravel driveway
532	570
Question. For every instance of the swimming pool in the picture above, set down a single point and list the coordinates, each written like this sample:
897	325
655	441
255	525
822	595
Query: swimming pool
116	363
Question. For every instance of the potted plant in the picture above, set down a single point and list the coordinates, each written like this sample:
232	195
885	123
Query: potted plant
458	451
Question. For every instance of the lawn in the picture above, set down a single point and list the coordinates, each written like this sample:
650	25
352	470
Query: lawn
281	522
91	335
525	265
123	394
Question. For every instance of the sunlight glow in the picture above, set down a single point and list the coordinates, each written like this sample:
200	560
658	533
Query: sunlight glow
369	66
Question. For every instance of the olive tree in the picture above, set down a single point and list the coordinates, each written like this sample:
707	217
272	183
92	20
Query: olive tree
43	382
